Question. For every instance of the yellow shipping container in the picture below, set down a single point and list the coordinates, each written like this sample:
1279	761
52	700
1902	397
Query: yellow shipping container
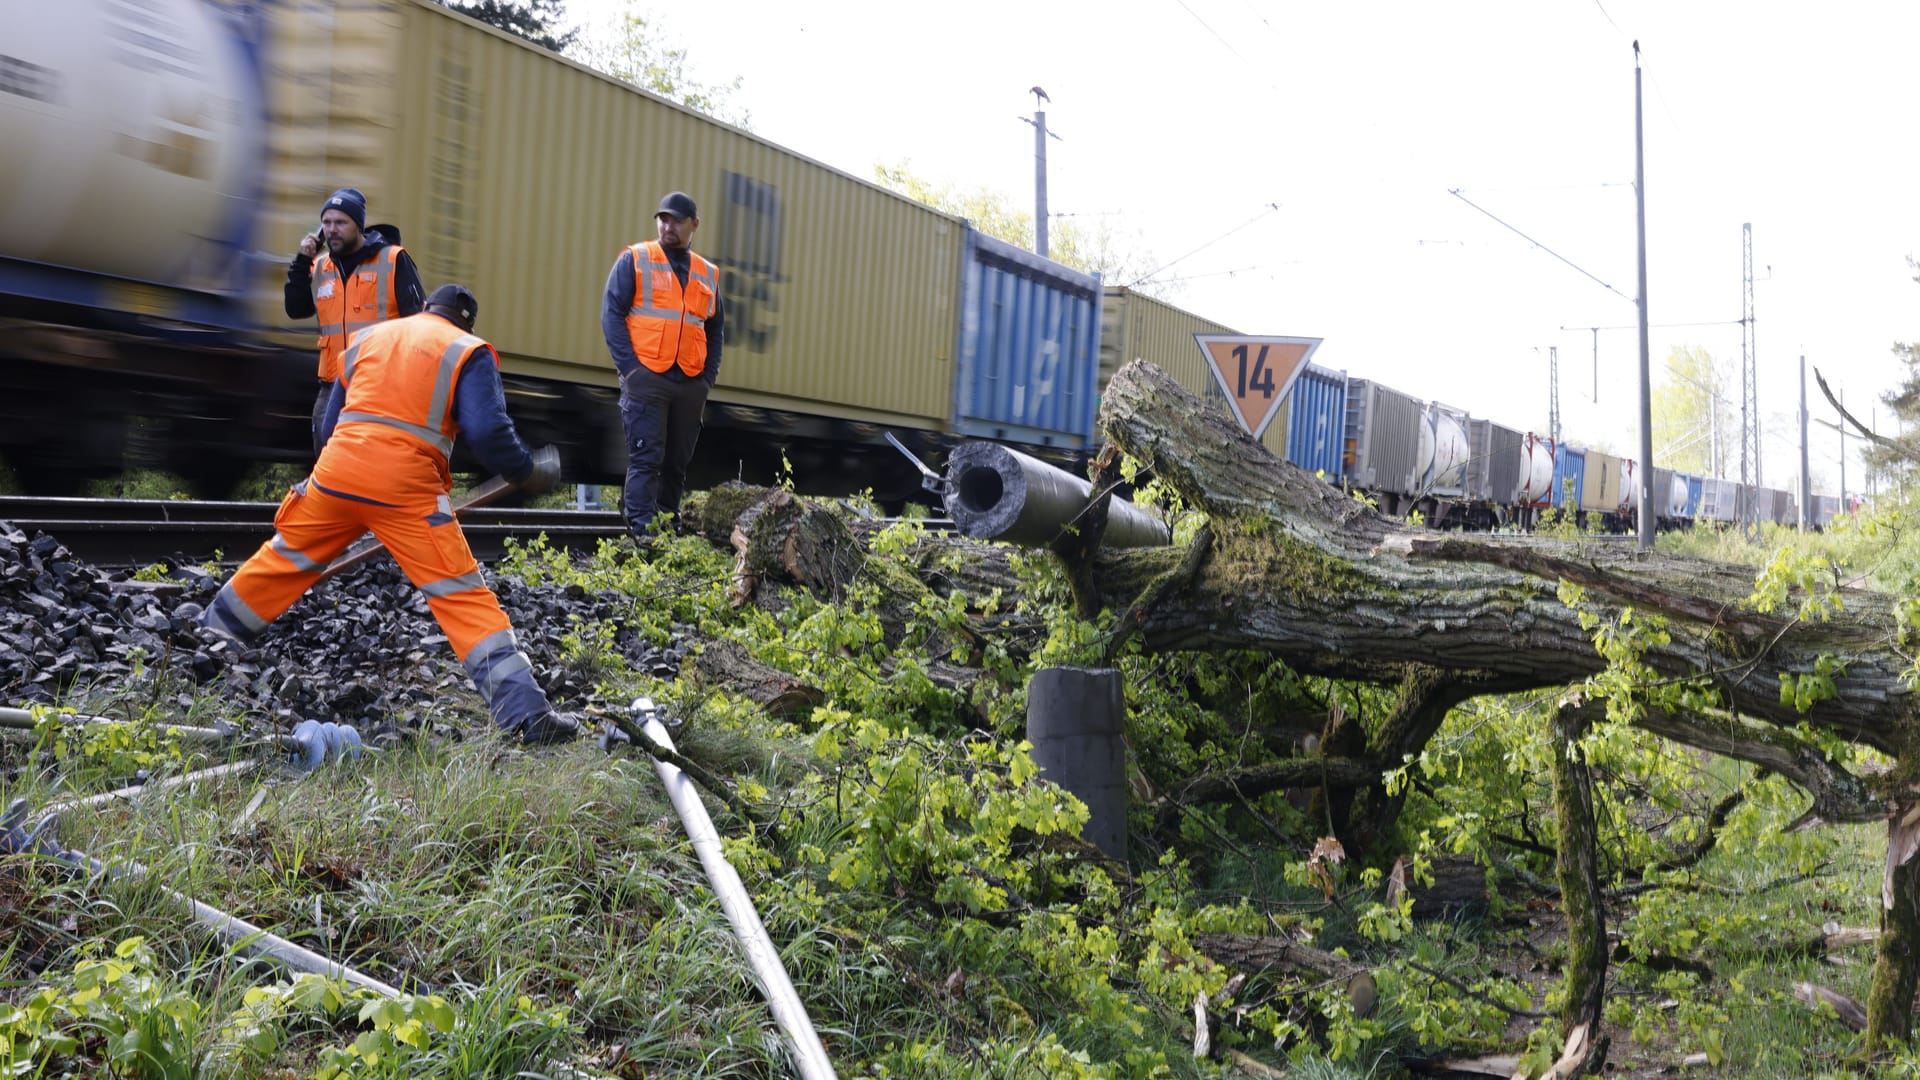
1135	326
523	175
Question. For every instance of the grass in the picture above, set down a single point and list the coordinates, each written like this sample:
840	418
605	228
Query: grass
477	871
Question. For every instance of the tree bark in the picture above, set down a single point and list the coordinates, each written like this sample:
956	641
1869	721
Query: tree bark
1897	975
1579	864
1257	954
1315	577
1291	566
1306	572
726	663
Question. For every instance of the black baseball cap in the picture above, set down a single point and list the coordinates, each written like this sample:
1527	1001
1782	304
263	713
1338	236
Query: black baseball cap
456	304
679	204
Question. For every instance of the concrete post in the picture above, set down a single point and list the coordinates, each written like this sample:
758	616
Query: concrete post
1075	719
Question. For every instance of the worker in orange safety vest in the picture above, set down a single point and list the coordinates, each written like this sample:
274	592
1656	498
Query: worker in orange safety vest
351	277
664	326
407	389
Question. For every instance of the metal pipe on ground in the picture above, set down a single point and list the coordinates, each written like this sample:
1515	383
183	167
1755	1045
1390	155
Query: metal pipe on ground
995	493
231	930
809	1054
218	772
22	720
310	742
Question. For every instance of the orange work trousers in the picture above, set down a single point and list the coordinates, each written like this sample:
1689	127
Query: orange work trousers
314	526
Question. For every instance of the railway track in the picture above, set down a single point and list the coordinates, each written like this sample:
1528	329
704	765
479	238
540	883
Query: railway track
135	532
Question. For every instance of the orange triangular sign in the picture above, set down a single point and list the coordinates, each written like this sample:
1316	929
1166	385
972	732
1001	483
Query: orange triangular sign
1256	372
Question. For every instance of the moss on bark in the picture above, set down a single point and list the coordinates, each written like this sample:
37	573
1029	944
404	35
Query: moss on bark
1579	871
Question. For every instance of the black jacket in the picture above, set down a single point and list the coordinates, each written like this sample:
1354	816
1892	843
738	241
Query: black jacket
406	276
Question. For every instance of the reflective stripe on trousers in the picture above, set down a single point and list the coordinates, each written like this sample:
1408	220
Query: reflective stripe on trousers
312	528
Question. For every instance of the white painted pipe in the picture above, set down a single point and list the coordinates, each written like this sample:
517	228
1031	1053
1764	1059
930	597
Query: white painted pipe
238	768
747	927
22	720
235	931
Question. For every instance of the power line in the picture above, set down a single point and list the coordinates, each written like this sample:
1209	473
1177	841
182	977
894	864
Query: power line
1660	325
1210	30
1609	18
1455	192
1271	207
1208	274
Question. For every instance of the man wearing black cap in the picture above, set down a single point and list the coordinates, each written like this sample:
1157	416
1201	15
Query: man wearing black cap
362	277
663	324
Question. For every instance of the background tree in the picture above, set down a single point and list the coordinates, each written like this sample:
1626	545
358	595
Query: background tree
1694	427
534	20
1096	249
634	48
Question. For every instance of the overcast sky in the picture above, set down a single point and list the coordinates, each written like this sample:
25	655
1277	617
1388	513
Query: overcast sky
1181	121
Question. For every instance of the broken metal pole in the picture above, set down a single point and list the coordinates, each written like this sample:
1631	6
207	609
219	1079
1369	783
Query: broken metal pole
995	493
1075	720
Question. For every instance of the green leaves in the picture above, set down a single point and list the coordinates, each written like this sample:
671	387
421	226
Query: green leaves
149	1028
1803	690
1816	579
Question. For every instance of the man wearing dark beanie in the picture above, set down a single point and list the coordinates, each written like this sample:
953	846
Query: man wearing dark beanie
351	277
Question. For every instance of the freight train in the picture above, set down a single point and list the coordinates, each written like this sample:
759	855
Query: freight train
1410	454
165	157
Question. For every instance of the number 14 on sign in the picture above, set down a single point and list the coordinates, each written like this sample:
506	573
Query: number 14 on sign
1255	372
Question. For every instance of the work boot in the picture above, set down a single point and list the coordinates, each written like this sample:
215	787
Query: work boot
548	728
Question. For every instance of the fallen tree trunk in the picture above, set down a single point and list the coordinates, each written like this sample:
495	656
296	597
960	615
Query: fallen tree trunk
1291	566
1302	570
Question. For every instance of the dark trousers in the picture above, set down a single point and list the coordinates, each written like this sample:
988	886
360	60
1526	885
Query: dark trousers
320	413
661	412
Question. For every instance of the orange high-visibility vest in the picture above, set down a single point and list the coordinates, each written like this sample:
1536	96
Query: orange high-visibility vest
400	378
668	324
345	308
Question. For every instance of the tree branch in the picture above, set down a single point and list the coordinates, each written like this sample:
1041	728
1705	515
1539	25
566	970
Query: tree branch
1866	432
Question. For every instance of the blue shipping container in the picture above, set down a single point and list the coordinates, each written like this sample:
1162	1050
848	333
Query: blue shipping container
1318	420
1693	496
1029	347
1569	467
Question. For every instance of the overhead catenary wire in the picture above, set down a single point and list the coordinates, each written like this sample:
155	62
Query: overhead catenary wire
1209	29
1455	192
1271	208
1209	274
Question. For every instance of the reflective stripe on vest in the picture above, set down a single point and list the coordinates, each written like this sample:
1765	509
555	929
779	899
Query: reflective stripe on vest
689	306
366	298
389	343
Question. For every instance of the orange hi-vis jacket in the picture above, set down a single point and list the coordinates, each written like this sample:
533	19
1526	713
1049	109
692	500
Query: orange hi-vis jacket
668	324
397	423
365	299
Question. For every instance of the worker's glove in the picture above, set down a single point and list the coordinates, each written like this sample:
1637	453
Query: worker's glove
546	472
